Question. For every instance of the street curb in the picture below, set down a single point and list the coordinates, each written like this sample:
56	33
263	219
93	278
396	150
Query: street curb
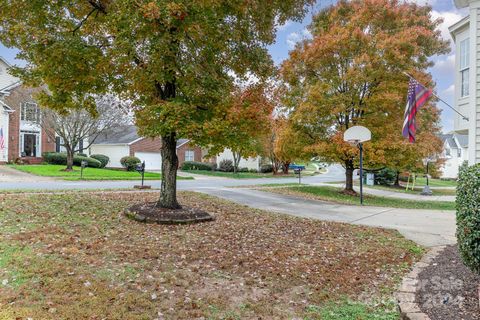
405	296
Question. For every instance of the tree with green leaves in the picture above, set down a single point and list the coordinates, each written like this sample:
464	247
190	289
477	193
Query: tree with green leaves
175	60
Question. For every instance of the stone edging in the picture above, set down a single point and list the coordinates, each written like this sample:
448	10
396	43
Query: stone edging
409	309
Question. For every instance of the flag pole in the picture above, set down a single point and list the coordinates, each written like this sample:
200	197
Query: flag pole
436	96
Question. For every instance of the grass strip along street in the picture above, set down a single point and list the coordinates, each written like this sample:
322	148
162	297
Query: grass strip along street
52	170
333	194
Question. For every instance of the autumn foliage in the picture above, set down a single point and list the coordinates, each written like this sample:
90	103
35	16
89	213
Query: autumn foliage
175	61
351	73
246	122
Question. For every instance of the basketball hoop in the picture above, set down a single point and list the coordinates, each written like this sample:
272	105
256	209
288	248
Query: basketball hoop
356	136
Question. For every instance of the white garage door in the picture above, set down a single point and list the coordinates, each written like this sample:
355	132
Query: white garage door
153	160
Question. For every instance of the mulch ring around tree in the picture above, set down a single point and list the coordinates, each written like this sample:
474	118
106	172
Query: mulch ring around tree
148	212
447	289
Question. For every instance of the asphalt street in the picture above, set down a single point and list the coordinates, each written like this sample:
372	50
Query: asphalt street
426	227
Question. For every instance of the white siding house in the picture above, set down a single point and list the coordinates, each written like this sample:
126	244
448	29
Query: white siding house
4	123
125	141
6	81
466	36
250	163
455	152
114	151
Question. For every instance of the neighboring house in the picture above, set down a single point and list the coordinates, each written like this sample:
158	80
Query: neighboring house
250	163
455	153
20	121
466	36
125	141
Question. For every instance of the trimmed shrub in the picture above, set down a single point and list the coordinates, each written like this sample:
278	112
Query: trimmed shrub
55	157
61	158
194	165
81	154
243	170
104	160
385	177
266	168
92	163
468	215
226	166
130	163
253	170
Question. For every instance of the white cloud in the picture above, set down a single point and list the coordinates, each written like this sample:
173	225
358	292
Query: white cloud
307	34
450	90
423	2
284	26
295	37
449	18
292	39
444	66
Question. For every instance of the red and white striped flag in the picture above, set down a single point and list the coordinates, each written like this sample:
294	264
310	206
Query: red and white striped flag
417	97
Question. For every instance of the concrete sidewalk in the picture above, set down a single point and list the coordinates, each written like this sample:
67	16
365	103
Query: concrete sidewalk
426	227
392	194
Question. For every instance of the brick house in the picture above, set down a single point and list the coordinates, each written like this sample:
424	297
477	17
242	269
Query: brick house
125	141
20	121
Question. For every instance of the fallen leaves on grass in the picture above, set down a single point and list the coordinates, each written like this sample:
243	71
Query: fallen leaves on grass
75	256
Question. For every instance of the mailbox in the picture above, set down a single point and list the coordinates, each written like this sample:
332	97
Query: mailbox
140	167
84	164
296	168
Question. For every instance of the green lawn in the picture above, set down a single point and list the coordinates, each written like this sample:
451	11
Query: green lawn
417	190
51	170
420	182
334	195
240	175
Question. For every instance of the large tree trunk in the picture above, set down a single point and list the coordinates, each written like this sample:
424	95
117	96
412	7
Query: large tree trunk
168	190
349	176
69	160
236	161
285	167
397	179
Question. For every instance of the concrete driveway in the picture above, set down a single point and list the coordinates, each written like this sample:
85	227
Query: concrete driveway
426	227
9	175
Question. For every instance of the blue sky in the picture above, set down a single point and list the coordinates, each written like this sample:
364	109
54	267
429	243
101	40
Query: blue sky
291	32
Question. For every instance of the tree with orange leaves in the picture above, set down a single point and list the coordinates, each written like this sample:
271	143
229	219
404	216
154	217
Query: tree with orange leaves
246	122
289	143
350	73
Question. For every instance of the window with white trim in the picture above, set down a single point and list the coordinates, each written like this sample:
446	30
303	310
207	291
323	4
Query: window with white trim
30	112
189	155
465	67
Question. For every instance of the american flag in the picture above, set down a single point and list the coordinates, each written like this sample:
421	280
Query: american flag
417	96
2	140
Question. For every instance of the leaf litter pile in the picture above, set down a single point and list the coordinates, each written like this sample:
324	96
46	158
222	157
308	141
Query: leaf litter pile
76	256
